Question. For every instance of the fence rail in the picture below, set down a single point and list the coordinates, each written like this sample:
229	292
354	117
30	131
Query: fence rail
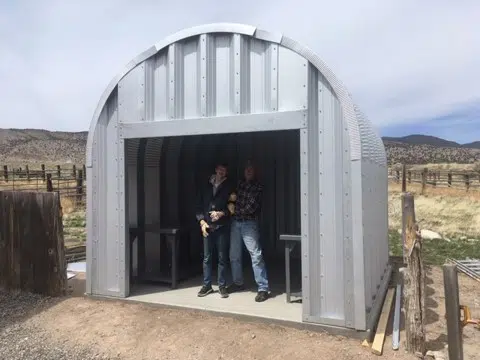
66	181
466	180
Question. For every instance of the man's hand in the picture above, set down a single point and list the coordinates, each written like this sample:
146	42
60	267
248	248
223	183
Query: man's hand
204	226
231	208
215	215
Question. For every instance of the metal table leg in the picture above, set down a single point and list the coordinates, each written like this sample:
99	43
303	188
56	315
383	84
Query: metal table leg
287	269
171	239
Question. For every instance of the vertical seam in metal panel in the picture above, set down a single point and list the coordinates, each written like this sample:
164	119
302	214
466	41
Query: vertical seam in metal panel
211	75
90	233
311	257
245	75
171	81
321	195
179	102
141	202
122	228
202	58
273	70
347	223
141	94
305	200
236	83
149	90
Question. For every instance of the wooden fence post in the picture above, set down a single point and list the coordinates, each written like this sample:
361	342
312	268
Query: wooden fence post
5	172
409	175
414	278
59	172
49	183
43	172
79	190
434	179
397	175
467	181
84	172
27	171
74	171
449	179
404	178
452	307
424	179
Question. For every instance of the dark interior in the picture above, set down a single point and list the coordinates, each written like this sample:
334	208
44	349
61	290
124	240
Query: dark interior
187	162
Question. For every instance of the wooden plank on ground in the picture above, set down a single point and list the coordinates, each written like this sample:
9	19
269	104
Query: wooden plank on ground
378	341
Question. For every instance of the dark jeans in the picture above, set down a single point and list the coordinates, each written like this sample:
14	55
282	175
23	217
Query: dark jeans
218	239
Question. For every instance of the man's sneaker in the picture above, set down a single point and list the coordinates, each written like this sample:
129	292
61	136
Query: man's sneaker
261	296
223	291
205	290
235	288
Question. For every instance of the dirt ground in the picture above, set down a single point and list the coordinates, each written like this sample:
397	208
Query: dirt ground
436	322
122	330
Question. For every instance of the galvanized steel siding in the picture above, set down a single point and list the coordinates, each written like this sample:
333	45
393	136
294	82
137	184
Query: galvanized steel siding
375	227
105	237
329	248
214	75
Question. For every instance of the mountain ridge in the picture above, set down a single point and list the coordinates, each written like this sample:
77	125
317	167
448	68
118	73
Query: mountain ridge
19	147
419	139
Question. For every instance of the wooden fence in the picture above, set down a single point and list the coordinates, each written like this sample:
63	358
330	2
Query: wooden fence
32	255
68	182
466	180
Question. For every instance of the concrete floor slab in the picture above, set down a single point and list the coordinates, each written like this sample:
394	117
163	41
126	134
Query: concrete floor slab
242	303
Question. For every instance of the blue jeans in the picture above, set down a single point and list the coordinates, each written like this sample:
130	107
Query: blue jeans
218	238
247	232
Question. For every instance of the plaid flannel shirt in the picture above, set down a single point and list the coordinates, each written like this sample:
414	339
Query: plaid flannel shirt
248	202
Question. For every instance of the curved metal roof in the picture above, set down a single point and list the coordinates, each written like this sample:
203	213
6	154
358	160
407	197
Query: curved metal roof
350	112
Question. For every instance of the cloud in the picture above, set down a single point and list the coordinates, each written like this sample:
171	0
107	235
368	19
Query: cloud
405	61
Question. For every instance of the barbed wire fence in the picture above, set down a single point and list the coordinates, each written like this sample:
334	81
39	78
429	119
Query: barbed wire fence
468	180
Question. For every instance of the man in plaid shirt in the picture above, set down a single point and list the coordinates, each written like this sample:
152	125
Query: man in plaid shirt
244	229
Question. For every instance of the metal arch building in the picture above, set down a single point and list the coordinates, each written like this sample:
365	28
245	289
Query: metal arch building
237	79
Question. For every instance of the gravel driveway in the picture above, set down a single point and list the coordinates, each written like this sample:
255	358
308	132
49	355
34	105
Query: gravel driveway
23	340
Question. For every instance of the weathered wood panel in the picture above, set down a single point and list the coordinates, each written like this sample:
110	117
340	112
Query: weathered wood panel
32	255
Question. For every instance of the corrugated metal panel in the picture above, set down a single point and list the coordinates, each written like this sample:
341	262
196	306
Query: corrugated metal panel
105	277
153	152
131	151
152	184
131	96
221	74
131	162
375	224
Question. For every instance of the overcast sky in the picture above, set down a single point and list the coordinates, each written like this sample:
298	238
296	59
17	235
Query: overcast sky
412	65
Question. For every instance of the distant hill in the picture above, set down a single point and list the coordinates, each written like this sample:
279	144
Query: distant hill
424	149
33	147
19	147
417	139
472	145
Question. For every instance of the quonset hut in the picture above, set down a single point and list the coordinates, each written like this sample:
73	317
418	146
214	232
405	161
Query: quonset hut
245	93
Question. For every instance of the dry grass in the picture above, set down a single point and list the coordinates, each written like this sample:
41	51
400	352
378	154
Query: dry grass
450	212
68	204
446	166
